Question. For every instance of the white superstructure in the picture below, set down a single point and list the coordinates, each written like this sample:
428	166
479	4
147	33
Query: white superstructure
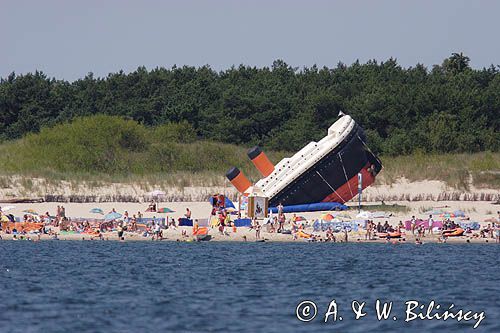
288	169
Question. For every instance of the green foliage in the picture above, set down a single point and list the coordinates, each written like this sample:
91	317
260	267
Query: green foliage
111	145
450	108
182	132
91	144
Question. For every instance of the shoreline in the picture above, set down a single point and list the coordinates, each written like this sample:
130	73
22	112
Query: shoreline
230	237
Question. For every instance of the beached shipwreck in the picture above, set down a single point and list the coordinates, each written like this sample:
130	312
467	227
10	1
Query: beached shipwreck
322	172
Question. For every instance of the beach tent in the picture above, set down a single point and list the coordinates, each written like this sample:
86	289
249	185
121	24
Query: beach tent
227	203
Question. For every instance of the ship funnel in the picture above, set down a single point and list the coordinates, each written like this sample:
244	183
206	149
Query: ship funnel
238	179
261	161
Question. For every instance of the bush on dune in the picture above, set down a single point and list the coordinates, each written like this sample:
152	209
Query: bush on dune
115	146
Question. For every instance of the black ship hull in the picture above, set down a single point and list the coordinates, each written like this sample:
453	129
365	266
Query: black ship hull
334	178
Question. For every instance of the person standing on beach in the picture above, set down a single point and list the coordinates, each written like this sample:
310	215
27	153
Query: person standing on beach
280	209
413	224
431	222
281	223
119	229
257	230
158	231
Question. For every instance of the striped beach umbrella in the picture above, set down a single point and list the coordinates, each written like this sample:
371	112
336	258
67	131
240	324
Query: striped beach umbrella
165	210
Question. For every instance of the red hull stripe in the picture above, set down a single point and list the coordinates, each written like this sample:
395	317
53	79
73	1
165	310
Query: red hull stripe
343	193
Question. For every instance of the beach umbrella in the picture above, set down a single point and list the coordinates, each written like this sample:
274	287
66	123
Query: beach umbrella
459	213
300	218
112	216
7	208
343	216
97	211
326	217
365	215
156	193
4	218
434	212
165	210
30	211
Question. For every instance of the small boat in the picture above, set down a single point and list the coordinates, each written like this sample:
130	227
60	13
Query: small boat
200	233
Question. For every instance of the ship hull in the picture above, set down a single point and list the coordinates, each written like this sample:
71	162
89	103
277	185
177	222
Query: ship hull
334	178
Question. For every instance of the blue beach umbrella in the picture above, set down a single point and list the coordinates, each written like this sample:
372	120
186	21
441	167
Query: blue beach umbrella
112	216
97	211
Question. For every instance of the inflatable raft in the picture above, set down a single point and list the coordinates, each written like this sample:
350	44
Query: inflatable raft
453	232
389	234
200	233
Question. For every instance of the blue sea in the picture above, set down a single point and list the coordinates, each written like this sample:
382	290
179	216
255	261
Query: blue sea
104	286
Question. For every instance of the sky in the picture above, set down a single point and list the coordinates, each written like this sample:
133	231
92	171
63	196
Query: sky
68	39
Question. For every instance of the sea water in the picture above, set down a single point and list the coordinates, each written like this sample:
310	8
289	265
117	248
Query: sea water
104	286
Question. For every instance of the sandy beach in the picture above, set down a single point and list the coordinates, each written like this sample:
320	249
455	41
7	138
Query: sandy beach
477	211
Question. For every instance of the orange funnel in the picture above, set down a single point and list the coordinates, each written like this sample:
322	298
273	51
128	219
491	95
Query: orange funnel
238	179
261	161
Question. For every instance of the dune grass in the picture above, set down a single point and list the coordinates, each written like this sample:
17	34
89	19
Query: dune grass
386	208
103	149
482	170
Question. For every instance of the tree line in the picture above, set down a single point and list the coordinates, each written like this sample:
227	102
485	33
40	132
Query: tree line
450	107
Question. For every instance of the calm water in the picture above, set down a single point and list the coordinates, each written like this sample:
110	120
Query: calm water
59	286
